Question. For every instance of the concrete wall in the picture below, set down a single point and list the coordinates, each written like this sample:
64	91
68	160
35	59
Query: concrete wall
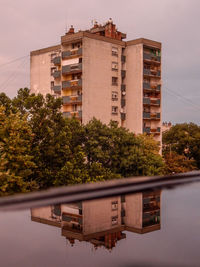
134	88
97	80
41	73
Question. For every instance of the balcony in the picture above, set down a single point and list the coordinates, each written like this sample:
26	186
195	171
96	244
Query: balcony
151	73
151	116
123	59
146	101
73	68
146	130
123	73
72	53
150	130
69	114
123	102
56	74
72	84
150	101
56	60
123	116
69	100
148	87
151	57
56	88
123	87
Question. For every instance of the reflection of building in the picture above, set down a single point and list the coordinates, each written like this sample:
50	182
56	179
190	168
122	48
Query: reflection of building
101	222
98	74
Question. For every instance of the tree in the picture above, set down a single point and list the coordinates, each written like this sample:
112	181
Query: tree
175	163
184	139
120	150
16	162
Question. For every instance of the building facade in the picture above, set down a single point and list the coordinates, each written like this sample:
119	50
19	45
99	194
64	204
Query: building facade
100	75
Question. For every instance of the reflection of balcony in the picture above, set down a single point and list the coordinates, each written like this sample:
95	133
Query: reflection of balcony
57	60
69	100
151	57
73	68
71	84
69	114
56	88
56	74
151	115
72	53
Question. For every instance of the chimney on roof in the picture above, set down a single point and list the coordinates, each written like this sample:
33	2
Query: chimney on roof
71	30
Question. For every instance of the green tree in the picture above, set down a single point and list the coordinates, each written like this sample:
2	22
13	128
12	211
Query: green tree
184	139
16	162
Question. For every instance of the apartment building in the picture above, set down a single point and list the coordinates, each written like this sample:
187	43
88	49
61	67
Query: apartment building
100	75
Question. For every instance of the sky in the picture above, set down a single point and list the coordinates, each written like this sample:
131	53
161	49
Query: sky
30	25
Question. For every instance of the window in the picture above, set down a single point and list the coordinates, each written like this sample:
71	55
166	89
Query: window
114	110
114	205
114	66
115	51
52	84
53	70
114	95
114	80
74	107
114	220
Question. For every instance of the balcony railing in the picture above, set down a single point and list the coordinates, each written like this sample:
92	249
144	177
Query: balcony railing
56	74
70	53
72	99
151	72
146	101
123	102
147	86
73	68
71	84
123	73
56	88
123	87
69	114
151	57
123	58
152	115
123	116
57	60
150	101
146	130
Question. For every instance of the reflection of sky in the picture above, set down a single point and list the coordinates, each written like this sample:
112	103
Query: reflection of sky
30	25
27	243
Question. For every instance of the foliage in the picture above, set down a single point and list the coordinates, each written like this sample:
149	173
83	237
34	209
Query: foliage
16	162
175	163
39	148
184	139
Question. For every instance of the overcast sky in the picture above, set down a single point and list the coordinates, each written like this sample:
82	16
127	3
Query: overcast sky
30	25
